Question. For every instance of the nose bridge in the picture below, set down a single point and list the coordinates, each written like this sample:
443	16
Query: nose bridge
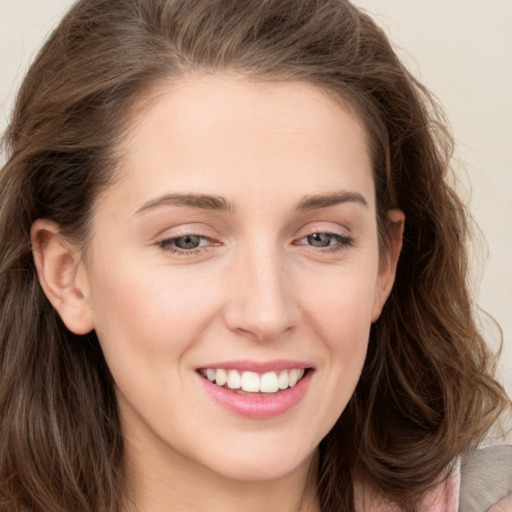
262	302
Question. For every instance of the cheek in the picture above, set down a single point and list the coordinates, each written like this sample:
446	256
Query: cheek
341	317
147	321
150	310
342	307
347	326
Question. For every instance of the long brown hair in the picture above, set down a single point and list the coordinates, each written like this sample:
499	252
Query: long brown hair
426	393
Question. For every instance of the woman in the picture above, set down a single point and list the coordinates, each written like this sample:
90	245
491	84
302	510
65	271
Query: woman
233	275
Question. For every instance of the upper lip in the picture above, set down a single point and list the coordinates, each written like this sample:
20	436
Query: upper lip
257	366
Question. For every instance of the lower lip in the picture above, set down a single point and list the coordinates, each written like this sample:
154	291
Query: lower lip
255	406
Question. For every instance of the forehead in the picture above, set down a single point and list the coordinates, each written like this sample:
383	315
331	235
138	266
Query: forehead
215	101
220	134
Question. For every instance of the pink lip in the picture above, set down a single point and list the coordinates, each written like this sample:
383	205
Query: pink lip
258	366
258	406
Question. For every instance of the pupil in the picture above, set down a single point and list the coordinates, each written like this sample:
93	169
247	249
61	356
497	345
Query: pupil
319	239
187	242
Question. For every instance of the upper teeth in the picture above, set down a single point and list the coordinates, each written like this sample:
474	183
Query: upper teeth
269	382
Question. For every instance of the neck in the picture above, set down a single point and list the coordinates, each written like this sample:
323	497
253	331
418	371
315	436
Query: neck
161	482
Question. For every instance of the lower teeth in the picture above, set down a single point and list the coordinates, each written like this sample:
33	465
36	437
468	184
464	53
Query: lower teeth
240	391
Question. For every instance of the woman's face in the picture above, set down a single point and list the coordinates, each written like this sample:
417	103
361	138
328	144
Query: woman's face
239	243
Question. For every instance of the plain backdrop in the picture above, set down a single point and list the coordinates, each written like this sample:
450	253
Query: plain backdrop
461	49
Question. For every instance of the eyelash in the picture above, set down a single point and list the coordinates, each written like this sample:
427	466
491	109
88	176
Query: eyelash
169	244
341	241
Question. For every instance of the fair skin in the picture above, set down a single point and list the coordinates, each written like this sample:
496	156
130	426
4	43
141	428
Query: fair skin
278	269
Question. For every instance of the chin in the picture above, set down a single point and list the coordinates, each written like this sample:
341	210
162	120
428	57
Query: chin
265	466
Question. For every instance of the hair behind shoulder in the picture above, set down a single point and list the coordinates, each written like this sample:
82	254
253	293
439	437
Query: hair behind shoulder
426	394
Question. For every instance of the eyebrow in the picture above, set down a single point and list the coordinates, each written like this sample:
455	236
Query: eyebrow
199	201
219	203
316	202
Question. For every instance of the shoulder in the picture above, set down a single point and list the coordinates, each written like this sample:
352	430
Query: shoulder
486	480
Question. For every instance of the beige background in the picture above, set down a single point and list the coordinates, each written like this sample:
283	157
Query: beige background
462	49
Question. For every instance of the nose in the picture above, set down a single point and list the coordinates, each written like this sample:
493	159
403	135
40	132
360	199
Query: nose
262	304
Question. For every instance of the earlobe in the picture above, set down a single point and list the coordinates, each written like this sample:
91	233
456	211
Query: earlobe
389	261
61	276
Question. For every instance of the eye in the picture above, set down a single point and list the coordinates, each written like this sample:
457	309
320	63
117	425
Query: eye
332	241
320	239
185	244
189	242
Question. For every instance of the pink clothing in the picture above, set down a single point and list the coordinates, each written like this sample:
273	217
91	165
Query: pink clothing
446	497
505	505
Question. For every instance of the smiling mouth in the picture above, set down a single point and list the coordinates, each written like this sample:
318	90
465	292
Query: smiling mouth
254	383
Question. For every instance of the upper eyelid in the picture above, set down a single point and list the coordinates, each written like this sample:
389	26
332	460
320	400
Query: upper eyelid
305	234
189	230
210	232
339	231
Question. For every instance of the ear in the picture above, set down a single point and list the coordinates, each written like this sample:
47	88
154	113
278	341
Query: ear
62	276
388	262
